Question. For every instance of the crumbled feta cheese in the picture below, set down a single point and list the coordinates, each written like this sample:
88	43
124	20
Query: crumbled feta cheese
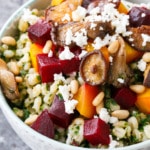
70	105
79	14
69	36
104	115
59	77
66	54
143	15
146	38
80	38
64	90
29	17
141	65
113	120
99	43
120	80
66	17
82	54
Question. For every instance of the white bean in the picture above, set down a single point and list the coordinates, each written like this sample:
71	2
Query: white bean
133	122
74	86
137	88
8	40
120	114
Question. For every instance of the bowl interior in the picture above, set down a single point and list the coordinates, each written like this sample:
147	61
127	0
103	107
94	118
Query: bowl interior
29	136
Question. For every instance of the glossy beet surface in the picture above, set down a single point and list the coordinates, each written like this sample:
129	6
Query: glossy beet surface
40	32
58	114
48	66
44	124
125	97
139	16
96	131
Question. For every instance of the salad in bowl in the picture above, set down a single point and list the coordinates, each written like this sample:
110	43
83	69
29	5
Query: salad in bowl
77	73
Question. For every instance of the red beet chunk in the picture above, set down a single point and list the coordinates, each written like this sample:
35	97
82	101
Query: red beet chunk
48	66
139	16
40	32
58	114
96	131
69	66
44	124
125	97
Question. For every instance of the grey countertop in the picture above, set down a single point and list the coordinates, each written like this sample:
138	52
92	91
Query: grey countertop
9	140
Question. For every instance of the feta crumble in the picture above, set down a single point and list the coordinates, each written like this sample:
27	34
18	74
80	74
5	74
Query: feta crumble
146	38
104	115
66	54
70	106
79	14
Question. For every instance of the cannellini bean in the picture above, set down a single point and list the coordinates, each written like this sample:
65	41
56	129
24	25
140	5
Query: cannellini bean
146	57
74	86
13	67
8	40
120	114
133	122
31	119
98	99
113	47
137	88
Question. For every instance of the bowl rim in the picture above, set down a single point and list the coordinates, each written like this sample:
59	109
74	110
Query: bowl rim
4	106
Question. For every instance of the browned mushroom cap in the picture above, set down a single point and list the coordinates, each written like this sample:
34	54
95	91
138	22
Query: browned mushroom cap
136	40
93	68
8	82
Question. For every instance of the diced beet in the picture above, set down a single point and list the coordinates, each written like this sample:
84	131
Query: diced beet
58	114
39	32
44	124
48	66
69	66
96	131
125	97
139	16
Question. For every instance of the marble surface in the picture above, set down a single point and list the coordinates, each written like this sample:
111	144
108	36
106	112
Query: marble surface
9	140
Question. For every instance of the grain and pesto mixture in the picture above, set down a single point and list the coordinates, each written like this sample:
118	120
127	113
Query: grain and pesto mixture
79	72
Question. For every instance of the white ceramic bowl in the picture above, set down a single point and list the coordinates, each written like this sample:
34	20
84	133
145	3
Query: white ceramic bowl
32	138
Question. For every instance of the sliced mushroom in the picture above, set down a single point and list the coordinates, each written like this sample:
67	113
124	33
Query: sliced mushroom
8	82
93	68
137	40
119	69
69	30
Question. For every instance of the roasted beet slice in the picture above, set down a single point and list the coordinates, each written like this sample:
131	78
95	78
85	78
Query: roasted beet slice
48	66
44	124
125	97
40	32
139	16
96	131
58	114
